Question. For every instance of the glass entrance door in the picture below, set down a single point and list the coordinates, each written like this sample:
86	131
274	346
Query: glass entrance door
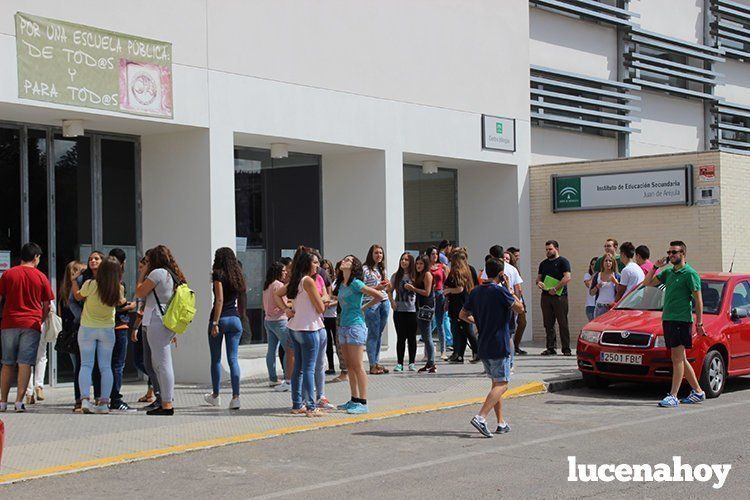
68	195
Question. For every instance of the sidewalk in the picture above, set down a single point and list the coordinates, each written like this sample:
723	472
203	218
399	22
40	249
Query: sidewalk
50	439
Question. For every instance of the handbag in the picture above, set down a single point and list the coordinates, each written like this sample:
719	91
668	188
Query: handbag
52	327
425	313
67	341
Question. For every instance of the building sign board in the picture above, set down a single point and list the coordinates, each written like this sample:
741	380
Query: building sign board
79	65
672	186
707	195
498	133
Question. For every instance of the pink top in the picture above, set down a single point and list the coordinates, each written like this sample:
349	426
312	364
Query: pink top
273	312
320	284
647	266
306	318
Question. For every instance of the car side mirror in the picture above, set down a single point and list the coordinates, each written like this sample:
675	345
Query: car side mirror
740	313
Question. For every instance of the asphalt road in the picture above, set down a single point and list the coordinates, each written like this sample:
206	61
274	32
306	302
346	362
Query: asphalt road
440	455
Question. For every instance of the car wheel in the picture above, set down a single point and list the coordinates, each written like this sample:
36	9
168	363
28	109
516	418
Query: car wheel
714	374
594	381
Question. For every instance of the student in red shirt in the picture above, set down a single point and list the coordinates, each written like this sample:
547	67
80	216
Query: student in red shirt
26	294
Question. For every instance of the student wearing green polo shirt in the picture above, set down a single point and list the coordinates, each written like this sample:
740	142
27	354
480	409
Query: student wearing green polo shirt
682	289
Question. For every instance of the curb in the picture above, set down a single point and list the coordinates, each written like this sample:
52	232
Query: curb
527	389
564	384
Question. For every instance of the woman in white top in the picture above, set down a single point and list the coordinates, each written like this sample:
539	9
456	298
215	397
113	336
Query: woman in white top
588	277
156	284
305	328
604	285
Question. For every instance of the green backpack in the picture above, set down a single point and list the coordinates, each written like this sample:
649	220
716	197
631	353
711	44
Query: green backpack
181	308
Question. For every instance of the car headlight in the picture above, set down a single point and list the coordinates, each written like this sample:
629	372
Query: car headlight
659	341
590	336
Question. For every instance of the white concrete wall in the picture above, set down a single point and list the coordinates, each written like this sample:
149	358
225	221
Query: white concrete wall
567	44
550	145
734	84
177	213
668	125
681	19
447	53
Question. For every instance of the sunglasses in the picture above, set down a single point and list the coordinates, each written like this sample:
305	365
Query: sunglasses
673	252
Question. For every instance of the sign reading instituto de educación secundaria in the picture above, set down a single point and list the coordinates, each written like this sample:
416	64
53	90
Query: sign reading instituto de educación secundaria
79	65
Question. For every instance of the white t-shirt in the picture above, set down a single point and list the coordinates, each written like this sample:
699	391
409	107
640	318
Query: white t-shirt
606	292
510	272
631	276
164	289
590	299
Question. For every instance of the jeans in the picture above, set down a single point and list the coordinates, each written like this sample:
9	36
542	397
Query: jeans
406	331
462	334
160	343
555	309
601	309
429	346
278	335
119	353
439	316
330	324
306	346
376	318
149	365
138	358
40	368
96	343
590	312
230	328
320	365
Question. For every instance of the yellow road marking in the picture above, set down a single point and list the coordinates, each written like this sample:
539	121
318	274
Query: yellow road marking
523	390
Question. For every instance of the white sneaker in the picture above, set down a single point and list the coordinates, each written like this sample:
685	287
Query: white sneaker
87	406
3	407
283	387
20	408
234	404
101	409
213	401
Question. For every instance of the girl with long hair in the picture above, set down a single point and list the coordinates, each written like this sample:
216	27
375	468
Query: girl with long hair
275	323
158	281
458	285
69	321
305	326
141	350
352	331
604	285
438	271
376	316
590	299
425	304
404	304
96	336
226	321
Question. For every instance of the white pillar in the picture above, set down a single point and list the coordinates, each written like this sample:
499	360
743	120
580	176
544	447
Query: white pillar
186	177
363	204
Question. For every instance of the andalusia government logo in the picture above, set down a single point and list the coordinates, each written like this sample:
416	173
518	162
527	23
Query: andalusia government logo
568	192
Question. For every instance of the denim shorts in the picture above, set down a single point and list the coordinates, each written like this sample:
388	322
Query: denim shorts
20	345
498	369
352	335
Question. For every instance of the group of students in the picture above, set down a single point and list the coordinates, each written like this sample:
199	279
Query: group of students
312	306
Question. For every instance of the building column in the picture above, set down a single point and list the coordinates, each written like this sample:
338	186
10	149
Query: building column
185	180
363	200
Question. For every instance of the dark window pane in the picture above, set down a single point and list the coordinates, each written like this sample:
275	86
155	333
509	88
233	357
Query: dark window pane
118	193
38	197
10	197
430	207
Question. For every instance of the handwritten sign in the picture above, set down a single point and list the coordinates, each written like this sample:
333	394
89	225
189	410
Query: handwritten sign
79	65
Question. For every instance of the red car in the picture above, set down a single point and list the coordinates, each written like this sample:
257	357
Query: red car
627	342
2	440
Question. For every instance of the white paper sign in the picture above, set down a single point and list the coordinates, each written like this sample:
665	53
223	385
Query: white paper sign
4	260
707	195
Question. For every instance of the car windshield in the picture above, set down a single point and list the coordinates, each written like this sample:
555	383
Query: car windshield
648	298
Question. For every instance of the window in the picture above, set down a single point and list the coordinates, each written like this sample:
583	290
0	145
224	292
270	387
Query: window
741	295
430	207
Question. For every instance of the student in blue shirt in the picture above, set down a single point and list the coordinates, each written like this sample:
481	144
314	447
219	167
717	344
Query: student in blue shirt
489	307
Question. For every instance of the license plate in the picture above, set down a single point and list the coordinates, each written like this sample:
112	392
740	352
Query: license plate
618	357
